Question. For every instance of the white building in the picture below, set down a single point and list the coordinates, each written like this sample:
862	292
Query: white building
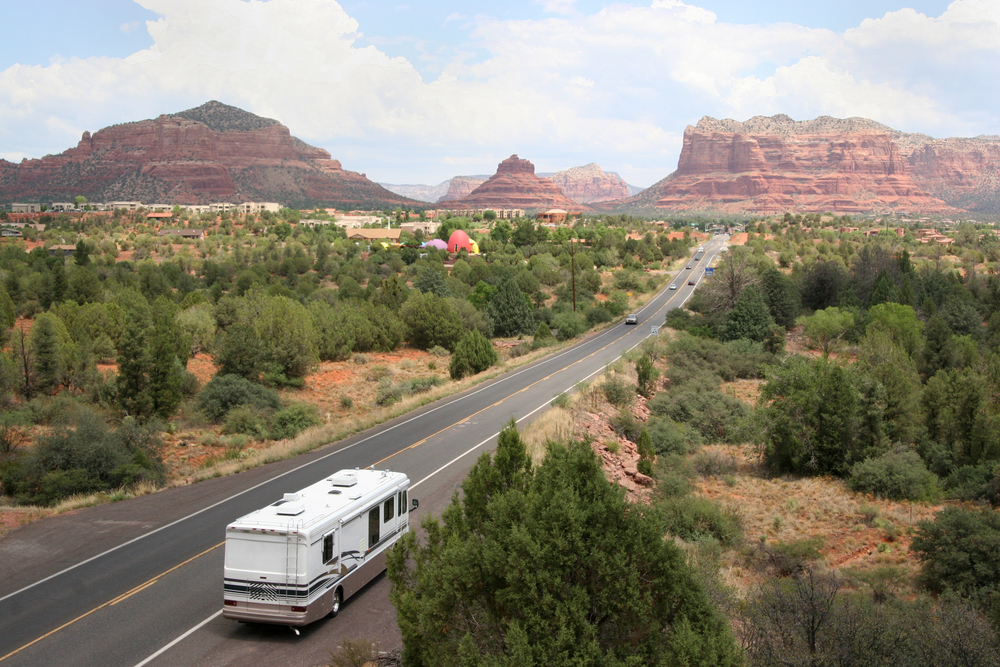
259	207
123	205
25	208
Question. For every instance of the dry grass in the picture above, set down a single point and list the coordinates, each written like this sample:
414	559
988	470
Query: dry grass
555	425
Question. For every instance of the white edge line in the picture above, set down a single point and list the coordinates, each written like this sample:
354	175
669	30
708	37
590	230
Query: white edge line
412	487
179	639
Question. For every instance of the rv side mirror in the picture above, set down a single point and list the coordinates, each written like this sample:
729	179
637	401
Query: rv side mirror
416	504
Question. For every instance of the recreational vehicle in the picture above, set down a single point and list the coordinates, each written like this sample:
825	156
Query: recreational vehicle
299	558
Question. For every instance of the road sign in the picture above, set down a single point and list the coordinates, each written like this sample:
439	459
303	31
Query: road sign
709	271
655	330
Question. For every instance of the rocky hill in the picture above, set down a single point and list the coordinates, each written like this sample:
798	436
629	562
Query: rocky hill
214	152
425	193
515	185
852	165
462	186
590	183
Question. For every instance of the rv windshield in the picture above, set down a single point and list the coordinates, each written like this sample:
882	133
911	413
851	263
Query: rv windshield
257	555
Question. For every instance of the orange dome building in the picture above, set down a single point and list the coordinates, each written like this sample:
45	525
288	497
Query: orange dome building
459	240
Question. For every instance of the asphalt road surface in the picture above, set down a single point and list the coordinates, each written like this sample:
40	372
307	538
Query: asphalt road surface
139	582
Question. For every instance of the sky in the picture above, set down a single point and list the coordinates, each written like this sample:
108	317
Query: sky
417	92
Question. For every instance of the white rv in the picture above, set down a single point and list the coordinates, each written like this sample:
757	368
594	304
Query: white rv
296	560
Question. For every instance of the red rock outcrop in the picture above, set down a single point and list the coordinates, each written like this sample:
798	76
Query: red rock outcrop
515	185
460	187
214	152
853	165
590	184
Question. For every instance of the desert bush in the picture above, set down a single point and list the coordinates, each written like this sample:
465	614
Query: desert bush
974	482
561	401
598	315
714	415
646	375
346	402
543	336
376	373
669	437
473	355
224	392
568	325
899	474
245	419
439	351
617	391
288	423
714	464
695	517
626	425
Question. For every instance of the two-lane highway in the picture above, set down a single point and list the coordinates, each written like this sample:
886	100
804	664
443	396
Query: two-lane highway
140	582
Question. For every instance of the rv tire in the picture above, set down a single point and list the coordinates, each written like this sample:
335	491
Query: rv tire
338	596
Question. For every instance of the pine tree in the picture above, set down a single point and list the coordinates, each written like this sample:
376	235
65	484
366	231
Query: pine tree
510	311
749	318
133	361
473	354
47	355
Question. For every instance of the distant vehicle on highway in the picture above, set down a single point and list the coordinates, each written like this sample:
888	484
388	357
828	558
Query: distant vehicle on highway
673	285
632	319
691	282
688	267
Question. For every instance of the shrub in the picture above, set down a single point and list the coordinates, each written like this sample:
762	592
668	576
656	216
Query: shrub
561	401
694	518
714	464
618	392
974	482
714	415
346	402
791	557
224	392
376	373
899	474
669	437
543	336
598	315
626	425
957	550
360	359
288	423
646	375
439	351
473	355
245	419
568	325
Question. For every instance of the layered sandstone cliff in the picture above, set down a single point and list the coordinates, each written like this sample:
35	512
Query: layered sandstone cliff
590	183
515	185
768	165
214	152
461	186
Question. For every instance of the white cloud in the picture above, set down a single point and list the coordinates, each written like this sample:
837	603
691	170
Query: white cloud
129	27
616	87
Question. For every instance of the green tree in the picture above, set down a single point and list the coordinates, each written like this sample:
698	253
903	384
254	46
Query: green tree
900	323
473	354
511	313
8	314
132	384
48	358
781	296
646	375
958	550
885	362
749	317
238	351
430	321
825	328
167	358
82	255
550	567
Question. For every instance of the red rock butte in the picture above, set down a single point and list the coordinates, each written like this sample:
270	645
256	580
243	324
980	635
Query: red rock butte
515	185
854	165
211	153
590	183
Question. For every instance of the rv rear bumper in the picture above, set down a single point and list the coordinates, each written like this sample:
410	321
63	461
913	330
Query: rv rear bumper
275	614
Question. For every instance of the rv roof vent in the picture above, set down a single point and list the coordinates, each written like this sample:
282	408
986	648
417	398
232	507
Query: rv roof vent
292	509
333	491
291	497
356	497
344	478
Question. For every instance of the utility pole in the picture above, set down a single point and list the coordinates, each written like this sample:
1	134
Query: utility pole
572	261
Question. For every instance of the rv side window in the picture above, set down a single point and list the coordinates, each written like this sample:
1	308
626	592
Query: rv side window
387	510
373	526
328	555
402	503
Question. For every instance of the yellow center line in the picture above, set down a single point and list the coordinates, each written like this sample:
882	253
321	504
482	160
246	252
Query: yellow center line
111	602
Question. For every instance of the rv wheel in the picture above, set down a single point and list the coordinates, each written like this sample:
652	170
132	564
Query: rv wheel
335	608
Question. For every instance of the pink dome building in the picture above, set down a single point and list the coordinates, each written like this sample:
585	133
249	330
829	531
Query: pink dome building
459	240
